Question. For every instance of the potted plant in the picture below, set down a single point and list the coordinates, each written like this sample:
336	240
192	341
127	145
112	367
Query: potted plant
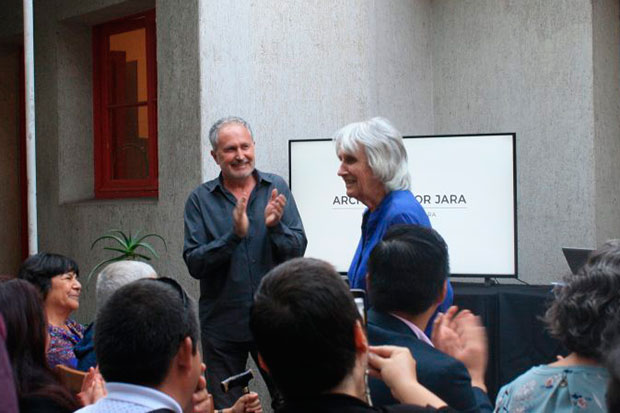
127	246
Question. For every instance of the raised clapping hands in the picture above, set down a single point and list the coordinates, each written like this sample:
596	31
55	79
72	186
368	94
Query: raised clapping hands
273	213
462	336
241	223
93	387
274	208
397	368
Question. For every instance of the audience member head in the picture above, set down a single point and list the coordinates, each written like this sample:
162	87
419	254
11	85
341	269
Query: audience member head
383	146
146	334
407	270
39	270
22	310
220	123
304	321
118	274
56	278
587	302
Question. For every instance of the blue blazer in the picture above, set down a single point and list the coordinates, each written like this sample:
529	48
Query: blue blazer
443	375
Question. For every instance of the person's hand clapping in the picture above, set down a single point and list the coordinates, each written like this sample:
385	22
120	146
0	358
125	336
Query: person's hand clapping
463	337
444	335
275	208
241	223
93	387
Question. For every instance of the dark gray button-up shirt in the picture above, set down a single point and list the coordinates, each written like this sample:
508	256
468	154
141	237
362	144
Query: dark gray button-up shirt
230	268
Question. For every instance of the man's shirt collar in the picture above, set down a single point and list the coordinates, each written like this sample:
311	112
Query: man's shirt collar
141	395
219	181
415	329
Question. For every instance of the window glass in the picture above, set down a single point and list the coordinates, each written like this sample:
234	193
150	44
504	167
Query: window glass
127	67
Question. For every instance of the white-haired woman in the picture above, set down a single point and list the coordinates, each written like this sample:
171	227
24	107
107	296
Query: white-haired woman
373	165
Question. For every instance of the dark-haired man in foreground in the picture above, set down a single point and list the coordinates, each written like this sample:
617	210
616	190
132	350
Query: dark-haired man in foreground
146	346
407	273
310	339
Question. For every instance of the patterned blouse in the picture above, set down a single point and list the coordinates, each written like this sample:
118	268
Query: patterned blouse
555	389
62	341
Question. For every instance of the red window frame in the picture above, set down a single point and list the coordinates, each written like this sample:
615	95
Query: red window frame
105	185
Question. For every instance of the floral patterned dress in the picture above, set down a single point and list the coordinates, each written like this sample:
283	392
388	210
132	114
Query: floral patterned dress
555	389
62	340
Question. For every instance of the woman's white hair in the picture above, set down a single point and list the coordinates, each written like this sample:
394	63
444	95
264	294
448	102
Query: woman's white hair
118	274
384	148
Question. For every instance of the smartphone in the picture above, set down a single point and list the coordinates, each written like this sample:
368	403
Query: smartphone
359	296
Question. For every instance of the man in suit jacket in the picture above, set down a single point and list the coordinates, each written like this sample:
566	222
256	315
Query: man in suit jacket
407	273
311	341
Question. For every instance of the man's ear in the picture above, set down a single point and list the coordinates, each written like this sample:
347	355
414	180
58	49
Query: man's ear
361	342
444	291
214	157
185	355
262	364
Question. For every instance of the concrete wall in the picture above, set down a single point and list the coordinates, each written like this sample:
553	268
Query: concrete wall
10	203
297	70
606	66
527	67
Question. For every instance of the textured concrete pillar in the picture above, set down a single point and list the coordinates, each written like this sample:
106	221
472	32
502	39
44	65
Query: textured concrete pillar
549	72
606	65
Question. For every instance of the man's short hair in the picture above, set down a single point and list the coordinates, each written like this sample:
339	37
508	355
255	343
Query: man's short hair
139	329
407	269
214	132
120	273
303	320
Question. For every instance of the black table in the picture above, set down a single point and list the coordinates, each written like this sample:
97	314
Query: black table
511	314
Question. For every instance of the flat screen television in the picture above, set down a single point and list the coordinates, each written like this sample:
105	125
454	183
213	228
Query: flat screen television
466	184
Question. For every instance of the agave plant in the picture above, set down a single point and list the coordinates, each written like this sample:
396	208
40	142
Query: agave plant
128	246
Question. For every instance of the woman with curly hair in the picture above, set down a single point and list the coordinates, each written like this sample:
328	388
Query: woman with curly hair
583	307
